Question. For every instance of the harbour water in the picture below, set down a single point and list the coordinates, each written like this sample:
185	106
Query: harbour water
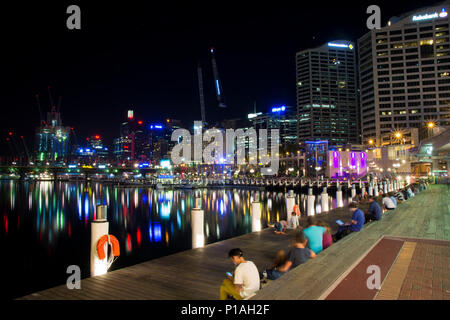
45	225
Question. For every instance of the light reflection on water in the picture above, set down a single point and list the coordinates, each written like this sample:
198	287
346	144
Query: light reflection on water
46	225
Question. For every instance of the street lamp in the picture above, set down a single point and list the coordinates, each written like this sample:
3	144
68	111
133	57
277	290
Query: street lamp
430	126
371	141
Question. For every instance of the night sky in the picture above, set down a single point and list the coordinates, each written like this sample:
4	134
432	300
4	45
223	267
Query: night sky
143	55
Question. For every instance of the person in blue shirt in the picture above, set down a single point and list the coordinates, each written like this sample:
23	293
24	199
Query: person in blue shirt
314	234
409	193
394	200
356	225
375	212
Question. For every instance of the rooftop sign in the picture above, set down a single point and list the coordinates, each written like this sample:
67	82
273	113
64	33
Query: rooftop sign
429	16
340	45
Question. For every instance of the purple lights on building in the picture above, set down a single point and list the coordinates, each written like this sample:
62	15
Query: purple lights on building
346	164
352	160
362	160
336	160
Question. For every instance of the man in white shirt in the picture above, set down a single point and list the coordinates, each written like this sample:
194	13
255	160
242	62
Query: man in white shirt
388	203
245	281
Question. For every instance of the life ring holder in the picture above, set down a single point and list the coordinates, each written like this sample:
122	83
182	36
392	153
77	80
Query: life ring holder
113	242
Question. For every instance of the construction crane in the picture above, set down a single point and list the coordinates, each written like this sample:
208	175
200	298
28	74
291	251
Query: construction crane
58	108
26	149
52	105
200	90
40	111
219	90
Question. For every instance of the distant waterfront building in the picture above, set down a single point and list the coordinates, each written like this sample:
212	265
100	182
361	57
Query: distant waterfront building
52	139
282	118
92	151
327	102
405	73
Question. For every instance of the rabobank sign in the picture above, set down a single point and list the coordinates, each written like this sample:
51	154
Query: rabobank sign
430	16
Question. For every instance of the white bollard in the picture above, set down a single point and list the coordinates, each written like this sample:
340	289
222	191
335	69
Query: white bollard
339	201
256	216
197	224
353	191
99	228
324	200
290	202
311	205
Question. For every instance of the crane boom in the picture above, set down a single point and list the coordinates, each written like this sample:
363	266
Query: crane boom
26	149
52	105
59	104
200	90
219	91
39	108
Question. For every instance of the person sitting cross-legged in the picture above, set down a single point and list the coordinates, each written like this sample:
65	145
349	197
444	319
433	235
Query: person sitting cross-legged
297	255
245	280
375	212
388	204
355	226
314	234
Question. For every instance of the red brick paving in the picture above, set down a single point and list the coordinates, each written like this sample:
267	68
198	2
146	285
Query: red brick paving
428	275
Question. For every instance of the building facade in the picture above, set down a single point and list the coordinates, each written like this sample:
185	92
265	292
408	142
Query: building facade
52	139
404	71
327	101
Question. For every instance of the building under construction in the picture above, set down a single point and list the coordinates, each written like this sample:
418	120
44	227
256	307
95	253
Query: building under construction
52	138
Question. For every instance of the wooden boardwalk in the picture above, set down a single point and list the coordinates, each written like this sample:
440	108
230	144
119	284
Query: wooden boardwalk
197	274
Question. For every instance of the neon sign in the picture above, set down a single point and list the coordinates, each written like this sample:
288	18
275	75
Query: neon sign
429	16
340	45
279	109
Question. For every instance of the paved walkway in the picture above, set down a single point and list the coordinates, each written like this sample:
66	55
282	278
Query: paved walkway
197	274
427	216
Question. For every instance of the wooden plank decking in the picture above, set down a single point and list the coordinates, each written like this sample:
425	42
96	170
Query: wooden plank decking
197	274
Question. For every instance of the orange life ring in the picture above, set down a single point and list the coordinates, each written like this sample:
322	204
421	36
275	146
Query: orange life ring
101	246
296	209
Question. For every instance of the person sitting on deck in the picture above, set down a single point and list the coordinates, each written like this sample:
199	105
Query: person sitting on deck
314	234
280	227
388	204
355	226
375	212
409	193
394	200
293	221
327	239
399	196
272	273
245	280
297	255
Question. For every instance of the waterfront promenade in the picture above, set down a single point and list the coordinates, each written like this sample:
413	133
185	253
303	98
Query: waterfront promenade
197	274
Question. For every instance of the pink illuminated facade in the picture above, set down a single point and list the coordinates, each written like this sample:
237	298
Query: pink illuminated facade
345	164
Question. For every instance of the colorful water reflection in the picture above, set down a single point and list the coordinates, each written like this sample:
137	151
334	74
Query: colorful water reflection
48	223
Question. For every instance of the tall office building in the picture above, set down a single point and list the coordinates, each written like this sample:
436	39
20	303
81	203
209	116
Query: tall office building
405	74
327	103
282	118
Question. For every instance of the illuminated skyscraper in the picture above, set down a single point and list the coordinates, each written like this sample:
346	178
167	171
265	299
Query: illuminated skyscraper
327	102
405	74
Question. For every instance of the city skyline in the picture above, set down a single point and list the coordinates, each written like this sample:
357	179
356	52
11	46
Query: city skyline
99	82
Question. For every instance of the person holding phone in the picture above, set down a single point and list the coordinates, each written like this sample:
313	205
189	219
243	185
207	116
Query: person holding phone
245	280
